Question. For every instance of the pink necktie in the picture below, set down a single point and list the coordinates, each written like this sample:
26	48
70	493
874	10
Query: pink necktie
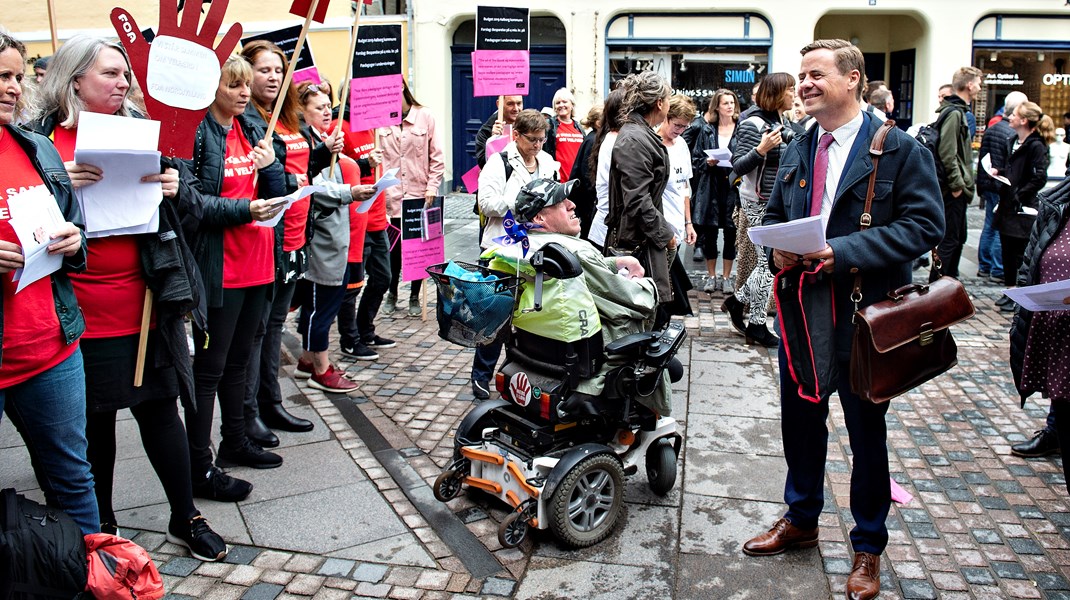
821	169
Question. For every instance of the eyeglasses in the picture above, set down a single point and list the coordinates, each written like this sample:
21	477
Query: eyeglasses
538	141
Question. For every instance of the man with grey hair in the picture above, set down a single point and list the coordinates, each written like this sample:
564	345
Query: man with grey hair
882	102
994	145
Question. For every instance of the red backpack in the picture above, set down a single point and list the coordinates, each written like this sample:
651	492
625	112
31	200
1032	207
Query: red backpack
120	570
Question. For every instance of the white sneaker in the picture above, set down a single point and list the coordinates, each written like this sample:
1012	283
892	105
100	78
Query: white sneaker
729	285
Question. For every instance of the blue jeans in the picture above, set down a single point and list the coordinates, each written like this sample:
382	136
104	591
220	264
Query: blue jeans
49	412
989	251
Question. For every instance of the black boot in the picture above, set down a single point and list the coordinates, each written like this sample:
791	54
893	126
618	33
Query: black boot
734	308
1045	442
258	432
276	417
760	334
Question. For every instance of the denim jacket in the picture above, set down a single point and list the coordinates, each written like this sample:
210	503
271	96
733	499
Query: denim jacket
50	167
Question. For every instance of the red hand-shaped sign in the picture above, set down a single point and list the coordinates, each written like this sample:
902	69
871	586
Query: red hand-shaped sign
179	71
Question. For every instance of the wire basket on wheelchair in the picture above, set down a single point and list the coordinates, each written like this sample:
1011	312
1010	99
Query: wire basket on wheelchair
475	304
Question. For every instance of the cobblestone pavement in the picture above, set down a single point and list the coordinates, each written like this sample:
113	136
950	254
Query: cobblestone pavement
982	524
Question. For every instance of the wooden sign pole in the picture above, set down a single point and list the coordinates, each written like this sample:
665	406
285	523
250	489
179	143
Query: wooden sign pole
52	24
344	98
279	101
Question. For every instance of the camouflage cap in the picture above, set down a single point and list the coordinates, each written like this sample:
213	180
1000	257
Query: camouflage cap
539	194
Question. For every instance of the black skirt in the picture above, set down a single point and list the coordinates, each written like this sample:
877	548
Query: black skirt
109	373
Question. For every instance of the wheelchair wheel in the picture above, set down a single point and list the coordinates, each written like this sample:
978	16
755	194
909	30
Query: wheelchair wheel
585	507
447	485
661	468
513	530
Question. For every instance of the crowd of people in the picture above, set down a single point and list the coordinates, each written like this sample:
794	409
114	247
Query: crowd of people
651	174
74	340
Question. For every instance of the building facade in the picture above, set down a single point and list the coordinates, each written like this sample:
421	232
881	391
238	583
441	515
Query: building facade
914	45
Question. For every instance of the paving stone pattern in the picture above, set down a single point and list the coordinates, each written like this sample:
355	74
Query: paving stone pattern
982	524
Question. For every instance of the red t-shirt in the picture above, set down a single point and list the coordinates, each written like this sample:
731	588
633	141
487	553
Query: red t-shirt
295	220
111	290
359	144
566	146
358	222
33	341
248	250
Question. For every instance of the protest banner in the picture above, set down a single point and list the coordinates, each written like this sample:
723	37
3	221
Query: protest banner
500	63
180	70
286	40
376	84
417	253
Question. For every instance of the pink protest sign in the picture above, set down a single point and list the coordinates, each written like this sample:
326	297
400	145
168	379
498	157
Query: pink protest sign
500	72
374	102
417	254
311	75
497	144
471	179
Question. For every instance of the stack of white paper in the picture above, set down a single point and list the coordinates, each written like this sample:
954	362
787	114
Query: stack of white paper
123	148
35	216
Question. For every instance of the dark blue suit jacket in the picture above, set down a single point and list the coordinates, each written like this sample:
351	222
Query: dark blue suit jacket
907	212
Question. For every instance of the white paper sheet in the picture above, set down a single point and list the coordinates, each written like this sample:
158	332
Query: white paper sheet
986	164
124	148
389	179
182	73
723	156
34	217
303	192
801	236
1046	296
152	226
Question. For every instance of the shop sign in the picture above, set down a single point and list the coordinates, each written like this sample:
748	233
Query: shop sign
1056	79
1004	79
738	76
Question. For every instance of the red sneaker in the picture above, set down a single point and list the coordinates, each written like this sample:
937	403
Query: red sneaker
332	380
303	370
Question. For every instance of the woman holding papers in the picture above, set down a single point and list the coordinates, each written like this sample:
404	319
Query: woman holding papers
759	141
300	156
90	75
1040	355
415	147
1027	171
714	198
329	255
233	167
42	385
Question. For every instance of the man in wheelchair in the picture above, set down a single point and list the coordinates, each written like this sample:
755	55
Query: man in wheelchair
576	315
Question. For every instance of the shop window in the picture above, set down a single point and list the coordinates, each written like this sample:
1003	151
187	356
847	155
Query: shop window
1041	74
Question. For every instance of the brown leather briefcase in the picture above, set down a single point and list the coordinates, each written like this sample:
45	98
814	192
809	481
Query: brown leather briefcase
904	341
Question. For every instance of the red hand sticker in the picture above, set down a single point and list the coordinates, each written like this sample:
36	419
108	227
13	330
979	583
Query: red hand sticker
179	71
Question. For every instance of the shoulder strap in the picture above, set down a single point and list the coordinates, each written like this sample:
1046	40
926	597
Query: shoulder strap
876	150
505	161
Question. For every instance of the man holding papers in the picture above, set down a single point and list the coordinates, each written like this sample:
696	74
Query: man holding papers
825	171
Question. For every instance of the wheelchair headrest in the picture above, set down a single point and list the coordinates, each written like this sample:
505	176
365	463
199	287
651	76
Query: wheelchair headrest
553	260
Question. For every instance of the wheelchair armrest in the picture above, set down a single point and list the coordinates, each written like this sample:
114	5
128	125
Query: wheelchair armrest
631	343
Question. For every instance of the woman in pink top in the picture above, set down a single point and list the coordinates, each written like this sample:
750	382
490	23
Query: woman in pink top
415	148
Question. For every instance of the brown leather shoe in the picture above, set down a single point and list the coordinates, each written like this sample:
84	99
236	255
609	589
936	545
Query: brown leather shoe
782	536
864	582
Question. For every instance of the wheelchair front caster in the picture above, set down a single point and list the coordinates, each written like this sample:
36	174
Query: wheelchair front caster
447	485
513	530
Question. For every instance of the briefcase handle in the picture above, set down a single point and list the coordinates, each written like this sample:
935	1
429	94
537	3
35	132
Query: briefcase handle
900	293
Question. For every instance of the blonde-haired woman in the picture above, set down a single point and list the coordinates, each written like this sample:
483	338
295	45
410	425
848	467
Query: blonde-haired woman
235	169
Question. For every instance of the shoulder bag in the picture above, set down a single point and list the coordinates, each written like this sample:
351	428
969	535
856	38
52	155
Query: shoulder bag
905	340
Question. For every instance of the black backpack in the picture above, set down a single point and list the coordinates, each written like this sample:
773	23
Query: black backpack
929	137
42	551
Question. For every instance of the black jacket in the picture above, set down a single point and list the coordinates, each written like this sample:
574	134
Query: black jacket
994	144
746	162
712	196
1027	170
50	168
217	213
1051	218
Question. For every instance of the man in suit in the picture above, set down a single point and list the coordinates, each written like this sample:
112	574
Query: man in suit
907	219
